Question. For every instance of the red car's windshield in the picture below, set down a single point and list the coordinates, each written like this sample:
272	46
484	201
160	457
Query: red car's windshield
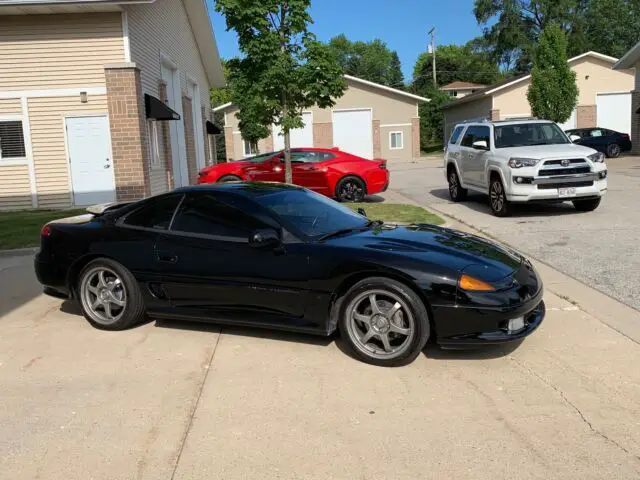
260	158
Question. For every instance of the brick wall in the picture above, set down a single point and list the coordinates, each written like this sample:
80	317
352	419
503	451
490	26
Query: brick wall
189	139
323	135
635	119
228	143
586	116
377	149
494	115
165	138
415	137
128	131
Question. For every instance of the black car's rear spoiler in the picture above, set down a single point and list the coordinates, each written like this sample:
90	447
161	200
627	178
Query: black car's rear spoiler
102	208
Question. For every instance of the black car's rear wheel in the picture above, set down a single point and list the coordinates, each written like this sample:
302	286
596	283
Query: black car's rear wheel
109	295
613	150
384	322
350	189
229	178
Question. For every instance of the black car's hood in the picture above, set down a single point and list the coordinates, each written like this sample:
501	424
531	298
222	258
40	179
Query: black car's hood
441	246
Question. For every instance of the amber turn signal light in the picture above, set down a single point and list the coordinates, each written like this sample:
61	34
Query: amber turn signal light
474	285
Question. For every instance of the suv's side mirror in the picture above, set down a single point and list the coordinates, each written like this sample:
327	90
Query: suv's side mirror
480	145
362	212
264	238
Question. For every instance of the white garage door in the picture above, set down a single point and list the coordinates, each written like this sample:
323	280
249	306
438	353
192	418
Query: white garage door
614	111
570	123
300	137
353	132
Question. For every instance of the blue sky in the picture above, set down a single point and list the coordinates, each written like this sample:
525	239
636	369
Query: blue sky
402	24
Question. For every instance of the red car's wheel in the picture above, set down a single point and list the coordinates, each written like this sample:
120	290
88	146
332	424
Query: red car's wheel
229	178
351	189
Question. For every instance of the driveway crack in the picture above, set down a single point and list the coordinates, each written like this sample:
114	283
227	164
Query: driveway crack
195	406
575	408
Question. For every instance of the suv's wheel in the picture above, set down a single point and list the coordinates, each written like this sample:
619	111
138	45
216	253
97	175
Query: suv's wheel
613	150
384	322
586	205
497	198
109	295
456	192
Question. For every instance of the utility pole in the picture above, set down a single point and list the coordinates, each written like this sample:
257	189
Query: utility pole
432	32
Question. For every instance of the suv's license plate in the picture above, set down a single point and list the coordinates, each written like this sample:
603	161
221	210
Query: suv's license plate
567	192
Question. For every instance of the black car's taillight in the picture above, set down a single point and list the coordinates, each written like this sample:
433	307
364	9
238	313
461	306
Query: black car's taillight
46	231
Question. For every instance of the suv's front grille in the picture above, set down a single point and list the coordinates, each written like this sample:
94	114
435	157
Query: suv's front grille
572	161
563	171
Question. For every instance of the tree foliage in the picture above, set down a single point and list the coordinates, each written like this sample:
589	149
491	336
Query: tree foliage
432	117
372	61
283	71
612	26
553	93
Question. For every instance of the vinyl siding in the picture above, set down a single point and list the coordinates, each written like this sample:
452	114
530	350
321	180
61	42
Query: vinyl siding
10	106
15	192
164	27
46	117
58	51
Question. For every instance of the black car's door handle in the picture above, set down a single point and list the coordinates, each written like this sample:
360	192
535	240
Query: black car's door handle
167	257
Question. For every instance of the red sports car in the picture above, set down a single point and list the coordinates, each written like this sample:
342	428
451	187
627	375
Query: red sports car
330	172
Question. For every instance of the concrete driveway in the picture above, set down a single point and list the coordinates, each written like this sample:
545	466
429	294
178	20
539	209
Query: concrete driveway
600	248
182	401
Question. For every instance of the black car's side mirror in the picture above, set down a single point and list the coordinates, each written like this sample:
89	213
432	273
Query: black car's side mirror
362	212
264	238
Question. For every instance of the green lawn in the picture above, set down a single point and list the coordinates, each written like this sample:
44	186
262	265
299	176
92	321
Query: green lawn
22	229
398	213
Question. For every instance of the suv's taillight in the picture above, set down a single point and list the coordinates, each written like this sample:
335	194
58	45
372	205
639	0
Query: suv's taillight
46	231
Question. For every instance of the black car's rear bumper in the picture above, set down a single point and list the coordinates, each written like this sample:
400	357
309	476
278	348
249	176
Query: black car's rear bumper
51	276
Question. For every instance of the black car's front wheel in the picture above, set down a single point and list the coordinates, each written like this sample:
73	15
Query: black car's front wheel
351	189
384	322
109	295
613	150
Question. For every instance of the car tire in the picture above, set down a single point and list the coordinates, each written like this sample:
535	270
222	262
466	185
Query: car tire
229	178
613	150
456	192
498	202
109	295
391	334
351	189
586	205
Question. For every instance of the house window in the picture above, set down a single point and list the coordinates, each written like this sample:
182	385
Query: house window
250	149
396	141
11	140
453	93
154	150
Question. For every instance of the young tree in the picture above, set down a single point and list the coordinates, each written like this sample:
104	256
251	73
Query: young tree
284	70
553	93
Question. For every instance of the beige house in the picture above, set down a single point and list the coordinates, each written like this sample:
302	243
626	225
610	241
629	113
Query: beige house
604	99
102	100
369	120
460	89
632	60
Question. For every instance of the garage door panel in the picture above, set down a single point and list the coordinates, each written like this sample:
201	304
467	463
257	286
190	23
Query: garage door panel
353	132
614	111
300	137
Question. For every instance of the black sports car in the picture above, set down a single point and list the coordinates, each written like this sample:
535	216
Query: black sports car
280	256
609	142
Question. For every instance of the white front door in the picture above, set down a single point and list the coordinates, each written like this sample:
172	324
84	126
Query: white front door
92	177
614	111
353	132
300	137
179	166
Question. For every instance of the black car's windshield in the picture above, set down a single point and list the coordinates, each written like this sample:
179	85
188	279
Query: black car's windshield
528	134
311	214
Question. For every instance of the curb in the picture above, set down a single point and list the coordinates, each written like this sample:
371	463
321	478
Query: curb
18	252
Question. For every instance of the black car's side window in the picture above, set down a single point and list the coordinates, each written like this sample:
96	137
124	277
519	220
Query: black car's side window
156	214
205	215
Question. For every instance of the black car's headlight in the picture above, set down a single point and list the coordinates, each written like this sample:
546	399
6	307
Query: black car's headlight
597	157
472	284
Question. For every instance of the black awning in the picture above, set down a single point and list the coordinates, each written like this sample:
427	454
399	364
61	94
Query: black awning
212	129
157	110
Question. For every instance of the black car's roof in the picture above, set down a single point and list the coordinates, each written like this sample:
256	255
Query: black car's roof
246	189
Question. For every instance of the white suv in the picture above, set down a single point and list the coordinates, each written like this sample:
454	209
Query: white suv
523	161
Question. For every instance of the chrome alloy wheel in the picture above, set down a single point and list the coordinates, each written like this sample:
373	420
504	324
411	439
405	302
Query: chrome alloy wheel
497	196
453	184
380	324
103	295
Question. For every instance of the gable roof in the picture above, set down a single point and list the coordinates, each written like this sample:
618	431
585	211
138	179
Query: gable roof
630	59
220	108
458	85
197	12
496	87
